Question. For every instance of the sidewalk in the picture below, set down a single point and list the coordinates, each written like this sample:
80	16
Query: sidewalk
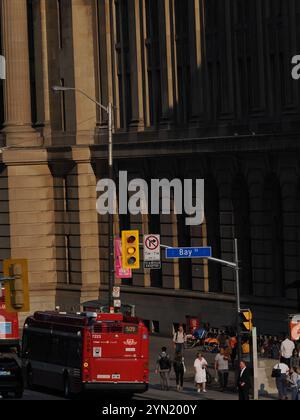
189	392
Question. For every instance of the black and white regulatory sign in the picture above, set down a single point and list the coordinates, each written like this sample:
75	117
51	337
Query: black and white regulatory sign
152	254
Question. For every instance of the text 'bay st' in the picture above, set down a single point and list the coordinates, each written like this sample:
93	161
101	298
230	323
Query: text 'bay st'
202	252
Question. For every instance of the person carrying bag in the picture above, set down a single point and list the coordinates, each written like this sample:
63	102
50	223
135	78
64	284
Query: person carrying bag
276	372
280	374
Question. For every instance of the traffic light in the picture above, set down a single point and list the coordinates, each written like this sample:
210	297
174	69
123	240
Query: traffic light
16	289
246	320
130	250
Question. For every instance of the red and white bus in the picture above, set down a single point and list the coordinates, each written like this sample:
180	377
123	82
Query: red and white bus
9	326
81	352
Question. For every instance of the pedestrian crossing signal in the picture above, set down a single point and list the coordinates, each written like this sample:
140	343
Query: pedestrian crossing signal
246	320
130	250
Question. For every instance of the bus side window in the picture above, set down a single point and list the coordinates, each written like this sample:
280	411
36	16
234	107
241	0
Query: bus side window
40	347
74	354
59	351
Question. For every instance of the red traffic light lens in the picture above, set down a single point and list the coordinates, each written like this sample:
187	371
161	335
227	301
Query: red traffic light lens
131	240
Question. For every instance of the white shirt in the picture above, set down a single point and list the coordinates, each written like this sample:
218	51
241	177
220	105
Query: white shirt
287	348
222	362
283	367
242	372
179	337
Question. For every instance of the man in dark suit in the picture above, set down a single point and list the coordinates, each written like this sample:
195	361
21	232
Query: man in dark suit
244	382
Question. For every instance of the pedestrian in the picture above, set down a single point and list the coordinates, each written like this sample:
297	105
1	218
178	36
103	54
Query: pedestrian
281	379
179	369
286	351
222	339
293	380
295	360
163	367
275	349
179	340
222	369
244	382
298	348
233	343
200	366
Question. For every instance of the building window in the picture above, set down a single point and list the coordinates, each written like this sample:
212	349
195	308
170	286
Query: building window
63	229
30	13
273	247
249	59
183	47
63	107
66	198
217	60
123	61
212	215
242	229
59	22
103	58
154	60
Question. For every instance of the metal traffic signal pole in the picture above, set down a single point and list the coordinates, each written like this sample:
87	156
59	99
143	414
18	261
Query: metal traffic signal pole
238	299
111	281
236	267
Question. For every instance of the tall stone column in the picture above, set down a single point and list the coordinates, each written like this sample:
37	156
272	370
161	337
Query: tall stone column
84	69
17	102
88	252
31	224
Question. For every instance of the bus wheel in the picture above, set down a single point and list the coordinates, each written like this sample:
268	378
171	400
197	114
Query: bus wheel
29	378
67	387
19	394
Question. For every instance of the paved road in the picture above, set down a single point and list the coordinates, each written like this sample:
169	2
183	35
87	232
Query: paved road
39	396
154	393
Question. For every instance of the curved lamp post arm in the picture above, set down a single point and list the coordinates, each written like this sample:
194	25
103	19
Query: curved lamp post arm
67	89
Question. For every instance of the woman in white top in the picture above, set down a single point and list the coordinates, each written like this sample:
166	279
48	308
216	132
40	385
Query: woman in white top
200	366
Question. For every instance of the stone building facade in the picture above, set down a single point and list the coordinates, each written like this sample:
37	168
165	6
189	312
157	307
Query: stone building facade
201	89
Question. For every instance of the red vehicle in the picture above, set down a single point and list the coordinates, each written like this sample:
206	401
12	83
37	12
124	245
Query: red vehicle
86	352
9	326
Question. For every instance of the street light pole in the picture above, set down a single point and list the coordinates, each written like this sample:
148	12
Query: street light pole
109	110
238	299
111	280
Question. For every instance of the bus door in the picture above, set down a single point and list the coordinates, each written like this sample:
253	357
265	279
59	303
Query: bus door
9	324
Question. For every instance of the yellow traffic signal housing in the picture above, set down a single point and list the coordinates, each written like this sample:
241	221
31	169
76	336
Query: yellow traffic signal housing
247	320
130	250
17	289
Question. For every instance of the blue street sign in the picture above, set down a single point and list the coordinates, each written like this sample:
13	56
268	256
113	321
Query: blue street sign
189	252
